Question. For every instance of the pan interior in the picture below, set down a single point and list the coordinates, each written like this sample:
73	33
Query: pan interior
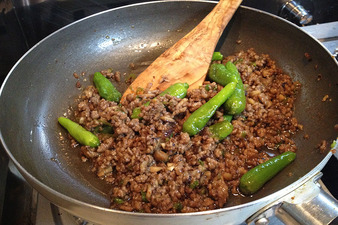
41	87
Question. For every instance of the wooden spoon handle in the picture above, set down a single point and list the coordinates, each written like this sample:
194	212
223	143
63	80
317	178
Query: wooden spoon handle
188	60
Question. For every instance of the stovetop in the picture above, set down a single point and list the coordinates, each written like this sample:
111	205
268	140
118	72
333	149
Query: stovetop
23	23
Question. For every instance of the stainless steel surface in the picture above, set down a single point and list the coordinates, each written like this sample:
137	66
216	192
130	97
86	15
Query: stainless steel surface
321	209
326	33
310	204
296	10
322	11
262	221
42	131
48	213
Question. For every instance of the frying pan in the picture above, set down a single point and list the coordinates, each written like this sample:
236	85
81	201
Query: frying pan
41	87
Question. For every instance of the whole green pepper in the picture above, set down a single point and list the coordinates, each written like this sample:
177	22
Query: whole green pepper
255	178
80	134
224	74
199	118
178	90
106	88
221	129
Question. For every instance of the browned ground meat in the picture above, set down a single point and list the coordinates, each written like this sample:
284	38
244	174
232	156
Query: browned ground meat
154	167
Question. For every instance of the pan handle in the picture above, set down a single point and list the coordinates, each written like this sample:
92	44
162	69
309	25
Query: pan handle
309	204
322	208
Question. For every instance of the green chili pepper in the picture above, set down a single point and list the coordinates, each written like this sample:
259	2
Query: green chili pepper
144	196
228	117
236	103
333	144
238	61
218	73
201	162
136	111
104	129
178	90
80	134
194	184
255	178
106	88
217	56
118	200
199	118
221	129
178	206
224	74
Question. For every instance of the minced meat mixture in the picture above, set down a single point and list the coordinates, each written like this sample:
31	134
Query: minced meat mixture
154	167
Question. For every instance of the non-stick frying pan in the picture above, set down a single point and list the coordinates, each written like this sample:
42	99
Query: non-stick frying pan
41	87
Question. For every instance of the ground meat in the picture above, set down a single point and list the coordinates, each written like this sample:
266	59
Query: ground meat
154	167
322	146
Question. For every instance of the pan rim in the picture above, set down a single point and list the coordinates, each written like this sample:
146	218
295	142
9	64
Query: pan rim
66	198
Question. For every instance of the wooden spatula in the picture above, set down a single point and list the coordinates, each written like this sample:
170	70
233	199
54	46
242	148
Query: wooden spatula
188	60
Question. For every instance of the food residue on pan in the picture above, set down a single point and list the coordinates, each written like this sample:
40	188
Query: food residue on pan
319	77
322	146
325	98
308	56
78	84
76	75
